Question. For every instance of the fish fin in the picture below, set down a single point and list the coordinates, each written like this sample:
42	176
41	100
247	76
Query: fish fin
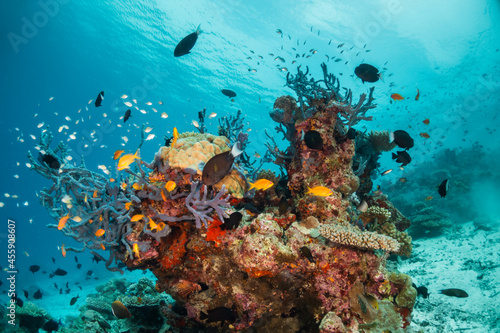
394	156
381	76
391	137
252	185
198	30
235	151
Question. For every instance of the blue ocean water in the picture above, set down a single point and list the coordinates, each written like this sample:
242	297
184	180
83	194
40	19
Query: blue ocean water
57	55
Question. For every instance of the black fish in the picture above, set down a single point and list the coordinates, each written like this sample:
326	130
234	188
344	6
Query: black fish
307	253
367	73
67	284
218	314
34	268
127	115
351	134
203	286
73	300
25	294
96	259
60	291
53	260
313	140
228	93
38	294
76	259
55	285
51	326
179	308
19	301
79	266
99	99
90	273
283	206
454	293
187	43
68	291
219	166
50	160
402	157
252	209
422	291
232	222
402	139
443	188
58	272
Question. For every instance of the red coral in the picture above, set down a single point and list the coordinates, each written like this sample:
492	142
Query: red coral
175	253
214	232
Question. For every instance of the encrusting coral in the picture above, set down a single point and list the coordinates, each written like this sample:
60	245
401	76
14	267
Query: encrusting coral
277	260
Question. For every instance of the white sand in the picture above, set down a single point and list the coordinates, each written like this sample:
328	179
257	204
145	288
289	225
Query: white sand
465	258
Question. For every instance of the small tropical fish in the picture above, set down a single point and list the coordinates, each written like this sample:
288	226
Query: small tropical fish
401	138
402	157
425	135
128	104
95	194
261	184
104	169
135	248
103	247
127	115
136	218
163	195
219	166
73	300
367	73
126	160
418	95
402	180
187	43
148	129
313	140
195	123
397	97
34	268
386	172
426	121
443	188
170	185
77	219
117	154
136	187
63	250
176	136
229	93
100	232
119	310
307	253
150	137
99	99
123	96
319	191
127	205
164	115
430	197
454	293
62	221
363	206
212	115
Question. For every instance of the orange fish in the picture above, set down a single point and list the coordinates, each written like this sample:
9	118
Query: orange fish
100	232
63	250
170	185
428	198
418	95
425	135
426	121
176	136
397	97
62	221
117	154
95	194
127	205
103	247
126	160
136	218
163	196
111	180
90	221
135	248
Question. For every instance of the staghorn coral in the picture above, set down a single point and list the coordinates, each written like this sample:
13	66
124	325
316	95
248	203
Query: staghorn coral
348	235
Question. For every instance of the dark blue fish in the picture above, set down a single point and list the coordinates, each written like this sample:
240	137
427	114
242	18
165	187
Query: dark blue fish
228	93
187	43
443	188
34	268
38	294
219	166
127	115
402	157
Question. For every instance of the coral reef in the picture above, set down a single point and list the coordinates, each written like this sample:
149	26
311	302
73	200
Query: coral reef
295	262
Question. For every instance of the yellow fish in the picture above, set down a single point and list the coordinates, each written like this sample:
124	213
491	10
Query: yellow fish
100	232
161	226
86	197
135	248
136	186
62	221
319	191
123	185
136	218
95	194
126	160
153	225
127	205
261	184
117	154
170	185
176	136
